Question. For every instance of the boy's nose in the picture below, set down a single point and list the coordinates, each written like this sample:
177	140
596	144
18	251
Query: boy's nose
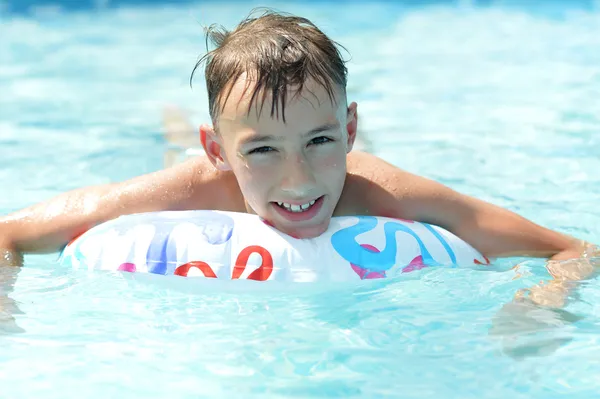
298	177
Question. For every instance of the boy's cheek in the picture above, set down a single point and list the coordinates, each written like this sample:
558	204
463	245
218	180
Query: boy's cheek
253	189
338	159
330	163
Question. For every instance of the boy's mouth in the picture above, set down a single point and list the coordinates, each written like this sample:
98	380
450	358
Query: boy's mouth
299	211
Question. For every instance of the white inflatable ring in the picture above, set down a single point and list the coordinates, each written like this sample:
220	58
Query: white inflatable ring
228	245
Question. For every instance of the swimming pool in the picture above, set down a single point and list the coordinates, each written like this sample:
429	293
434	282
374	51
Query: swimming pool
500	102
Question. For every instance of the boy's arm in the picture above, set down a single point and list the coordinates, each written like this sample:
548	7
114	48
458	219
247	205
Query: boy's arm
50	225
494	231
498	232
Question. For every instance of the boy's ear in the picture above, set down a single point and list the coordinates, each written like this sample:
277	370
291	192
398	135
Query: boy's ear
213	148
352	124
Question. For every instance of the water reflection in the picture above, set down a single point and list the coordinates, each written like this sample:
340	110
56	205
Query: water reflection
8	306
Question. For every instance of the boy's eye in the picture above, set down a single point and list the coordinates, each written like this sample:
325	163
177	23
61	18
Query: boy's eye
261	150
320	140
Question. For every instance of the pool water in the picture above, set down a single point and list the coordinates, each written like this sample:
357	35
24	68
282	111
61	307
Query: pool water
501	102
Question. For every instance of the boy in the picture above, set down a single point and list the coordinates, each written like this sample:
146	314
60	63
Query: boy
279	147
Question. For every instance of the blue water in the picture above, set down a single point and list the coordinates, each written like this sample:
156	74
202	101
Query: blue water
501	102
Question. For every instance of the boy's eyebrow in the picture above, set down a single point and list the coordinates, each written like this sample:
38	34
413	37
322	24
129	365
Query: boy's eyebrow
320	129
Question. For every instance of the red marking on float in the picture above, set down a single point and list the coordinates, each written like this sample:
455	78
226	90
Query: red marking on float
415	264
366	274
206	270
478	262
260	274
127	267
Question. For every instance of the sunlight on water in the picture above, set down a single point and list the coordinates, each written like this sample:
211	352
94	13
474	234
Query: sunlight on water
497	102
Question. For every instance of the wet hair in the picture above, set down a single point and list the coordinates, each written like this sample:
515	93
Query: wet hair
279	52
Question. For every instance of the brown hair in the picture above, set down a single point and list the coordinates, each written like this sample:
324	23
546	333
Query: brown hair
280	52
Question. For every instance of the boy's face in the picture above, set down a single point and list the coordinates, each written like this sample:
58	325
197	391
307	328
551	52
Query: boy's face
291	174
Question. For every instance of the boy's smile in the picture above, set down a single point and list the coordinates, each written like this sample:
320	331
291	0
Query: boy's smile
291	173
299	211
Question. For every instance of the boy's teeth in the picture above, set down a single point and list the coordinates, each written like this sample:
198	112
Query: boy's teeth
296	208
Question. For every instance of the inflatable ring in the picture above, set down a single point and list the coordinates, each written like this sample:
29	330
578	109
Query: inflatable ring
227	245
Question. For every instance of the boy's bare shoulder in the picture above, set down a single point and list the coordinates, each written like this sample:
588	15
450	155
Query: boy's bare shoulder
378	187
208	187
366	169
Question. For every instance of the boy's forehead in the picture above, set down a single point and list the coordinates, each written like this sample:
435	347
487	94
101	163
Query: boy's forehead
312	104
